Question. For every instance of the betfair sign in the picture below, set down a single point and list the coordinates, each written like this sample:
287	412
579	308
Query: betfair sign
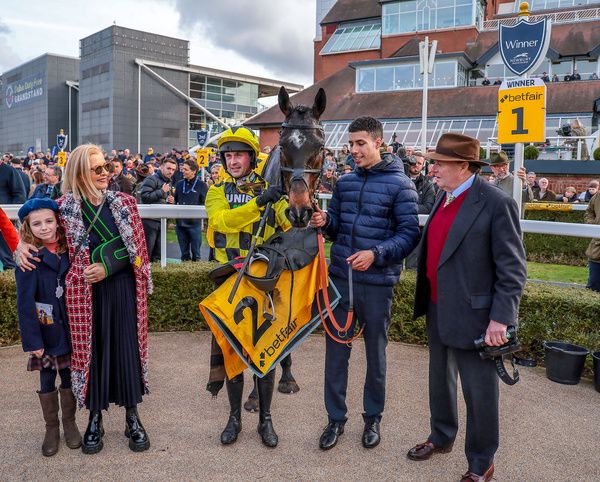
522	111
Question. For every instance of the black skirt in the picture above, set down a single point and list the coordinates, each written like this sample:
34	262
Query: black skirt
115	371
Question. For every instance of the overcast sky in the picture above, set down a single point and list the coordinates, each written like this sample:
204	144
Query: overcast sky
268	38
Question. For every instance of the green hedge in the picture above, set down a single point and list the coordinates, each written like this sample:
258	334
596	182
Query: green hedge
547	312
545	248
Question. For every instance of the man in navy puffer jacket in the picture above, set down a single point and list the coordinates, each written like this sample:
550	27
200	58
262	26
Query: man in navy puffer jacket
372	221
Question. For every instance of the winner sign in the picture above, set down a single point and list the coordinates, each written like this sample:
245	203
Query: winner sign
523	46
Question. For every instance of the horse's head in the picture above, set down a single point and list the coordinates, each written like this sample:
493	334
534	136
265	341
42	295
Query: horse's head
301	139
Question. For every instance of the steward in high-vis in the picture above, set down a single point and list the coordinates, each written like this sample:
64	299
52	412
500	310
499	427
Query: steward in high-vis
234	207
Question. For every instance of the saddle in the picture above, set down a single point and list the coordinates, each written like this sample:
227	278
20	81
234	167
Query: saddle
291	250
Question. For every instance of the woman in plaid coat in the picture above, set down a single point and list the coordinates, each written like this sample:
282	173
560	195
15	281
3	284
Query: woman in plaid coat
106	300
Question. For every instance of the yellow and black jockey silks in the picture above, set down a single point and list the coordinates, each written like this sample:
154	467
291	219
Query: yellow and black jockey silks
234	216
257	332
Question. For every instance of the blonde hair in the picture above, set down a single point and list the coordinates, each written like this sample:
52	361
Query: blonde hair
78	175
28	237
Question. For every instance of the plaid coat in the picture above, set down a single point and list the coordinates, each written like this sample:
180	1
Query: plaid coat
79	293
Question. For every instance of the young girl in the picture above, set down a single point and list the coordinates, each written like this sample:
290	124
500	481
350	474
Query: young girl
43	319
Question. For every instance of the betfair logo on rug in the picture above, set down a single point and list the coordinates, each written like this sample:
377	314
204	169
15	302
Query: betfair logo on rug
280	338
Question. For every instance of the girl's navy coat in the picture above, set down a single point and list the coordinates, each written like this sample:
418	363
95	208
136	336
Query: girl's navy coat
39	286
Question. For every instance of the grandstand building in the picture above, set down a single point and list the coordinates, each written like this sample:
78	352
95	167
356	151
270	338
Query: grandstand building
128	89
366	57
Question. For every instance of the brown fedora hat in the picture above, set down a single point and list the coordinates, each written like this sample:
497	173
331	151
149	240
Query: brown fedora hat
458	148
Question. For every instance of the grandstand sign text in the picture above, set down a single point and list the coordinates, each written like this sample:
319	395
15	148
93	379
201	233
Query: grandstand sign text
522	111
23	91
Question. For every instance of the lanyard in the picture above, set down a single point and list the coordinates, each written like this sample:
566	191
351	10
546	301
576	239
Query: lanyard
193	188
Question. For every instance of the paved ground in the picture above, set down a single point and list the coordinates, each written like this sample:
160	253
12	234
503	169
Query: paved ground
550	432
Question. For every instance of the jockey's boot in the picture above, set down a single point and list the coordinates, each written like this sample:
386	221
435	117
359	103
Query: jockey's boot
235	389
251	405
287	383
265	395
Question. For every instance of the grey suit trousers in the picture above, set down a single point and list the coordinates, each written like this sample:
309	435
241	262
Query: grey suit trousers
479	382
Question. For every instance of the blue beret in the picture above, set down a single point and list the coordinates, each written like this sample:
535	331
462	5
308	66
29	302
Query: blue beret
37	203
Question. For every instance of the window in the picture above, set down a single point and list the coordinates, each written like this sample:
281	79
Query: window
366	80
407	76
354	36
537	5
412	15
409	133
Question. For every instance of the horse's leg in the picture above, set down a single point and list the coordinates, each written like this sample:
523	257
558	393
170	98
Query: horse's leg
287	383
251	404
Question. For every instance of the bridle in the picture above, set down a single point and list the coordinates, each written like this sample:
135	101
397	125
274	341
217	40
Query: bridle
298	173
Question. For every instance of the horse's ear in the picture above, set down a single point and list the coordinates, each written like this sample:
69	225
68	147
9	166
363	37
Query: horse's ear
320	103
284	102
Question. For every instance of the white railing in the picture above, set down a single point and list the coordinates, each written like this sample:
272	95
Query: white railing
556	17
168	211
563	146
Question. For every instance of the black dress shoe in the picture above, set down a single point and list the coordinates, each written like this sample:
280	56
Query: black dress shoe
425	450
92	440
330	435
371	437
135	431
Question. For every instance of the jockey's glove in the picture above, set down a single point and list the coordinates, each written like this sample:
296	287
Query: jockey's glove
271	195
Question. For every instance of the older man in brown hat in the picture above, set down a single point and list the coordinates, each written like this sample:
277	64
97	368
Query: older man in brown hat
470	279
500	165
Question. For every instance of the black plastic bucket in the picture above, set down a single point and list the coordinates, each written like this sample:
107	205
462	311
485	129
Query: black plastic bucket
596	357
564	362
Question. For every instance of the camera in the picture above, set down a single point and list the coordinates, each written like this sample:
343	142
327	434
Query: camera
511	346
564	130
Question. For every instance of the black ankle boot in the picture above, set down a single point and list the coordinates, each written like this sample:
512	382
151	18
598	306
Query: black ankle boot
135	431
235	389
92	440
265	424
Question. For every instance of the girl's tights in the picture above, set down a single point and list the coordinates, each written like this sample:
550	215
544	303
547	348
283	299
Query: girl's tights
48	379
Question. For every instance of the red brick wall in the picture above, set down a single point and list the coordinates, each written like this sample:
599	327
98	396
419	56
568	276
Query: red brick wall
326	65
454	40
269	137
559	182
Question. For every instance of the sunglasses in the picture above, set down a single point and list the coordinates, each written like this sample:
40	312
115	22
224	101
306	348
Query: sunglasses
108	167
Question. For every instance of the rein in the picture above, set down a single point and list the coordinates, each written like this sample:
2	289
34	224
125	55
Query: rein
341	331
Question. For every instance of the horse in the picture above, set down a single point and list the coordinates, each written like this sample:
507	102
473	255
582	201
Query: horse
302	145
295	165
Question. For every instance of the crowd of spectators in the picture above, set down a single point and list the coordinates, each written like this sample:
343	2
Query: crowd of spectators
174	178
574	76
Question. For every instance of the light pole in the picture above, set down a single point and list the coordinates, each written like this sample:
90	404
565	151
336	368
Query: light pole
426	60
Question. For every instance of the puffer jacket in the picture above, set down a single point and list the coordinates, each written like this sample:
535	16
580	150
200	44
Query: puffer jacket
373	209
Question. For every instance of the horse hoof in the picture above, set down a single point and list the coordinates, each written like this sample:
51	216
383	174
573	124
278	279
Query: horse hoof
288	386
251	404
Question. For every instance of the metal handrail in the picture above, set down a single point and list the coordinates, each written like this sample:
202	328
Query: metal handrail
168	211
556	17
558	143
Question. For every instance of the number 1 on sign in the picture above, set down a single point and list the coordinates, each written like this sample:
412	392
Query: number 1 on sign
519	130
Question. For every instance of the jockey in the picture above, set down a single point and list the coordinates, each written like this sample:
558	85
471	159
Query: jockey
234	207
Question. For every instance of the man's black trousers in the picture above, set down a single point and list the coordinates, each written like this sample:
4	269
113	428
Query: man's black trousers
479	381
152	234
372	305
